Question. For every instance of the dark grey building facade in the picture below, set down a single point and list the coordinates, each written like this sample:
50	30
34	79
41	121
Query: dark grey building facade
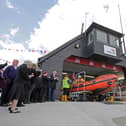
97	43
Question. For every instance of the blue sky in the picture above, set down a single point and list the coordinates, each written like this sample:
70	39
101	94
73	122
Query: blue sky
24	14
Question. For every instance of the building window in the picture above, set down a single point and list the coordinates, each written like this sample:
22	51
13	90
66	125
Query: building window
91	37
113	40
101	36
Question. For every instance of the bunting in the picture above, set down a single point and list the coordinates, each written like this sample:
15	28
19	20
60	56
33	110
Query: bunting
43	51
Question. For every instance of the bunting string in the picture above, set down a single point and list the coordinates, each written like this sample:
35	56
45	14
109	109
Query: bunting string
43	51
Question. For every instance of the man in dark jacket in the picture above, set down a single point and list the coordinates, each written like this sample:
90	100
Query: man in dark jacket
52	85
38	90
41	87
45	81
32	85
9	75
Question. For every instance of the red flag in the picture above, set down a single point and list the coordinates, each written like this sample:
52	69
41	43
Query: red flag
44	51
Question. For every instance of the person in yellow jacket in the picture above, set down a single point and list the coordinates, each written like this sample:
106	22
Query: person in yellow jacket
65	87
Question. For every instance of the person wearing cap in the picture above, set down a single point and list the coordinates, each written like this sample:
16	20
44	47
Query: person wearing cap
17	89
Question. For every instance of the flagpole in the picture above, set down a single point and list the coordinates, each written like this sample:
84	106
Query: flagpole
86	13
122	29
84	25
82	28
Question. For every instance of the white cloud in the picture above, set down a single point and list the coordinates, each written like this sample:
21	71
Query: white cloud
8	37
9	49
63	21
13	31
8	54
9	4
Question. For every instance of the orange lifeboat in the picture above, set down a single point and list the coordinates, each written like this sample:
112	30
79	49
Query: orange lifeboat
99	85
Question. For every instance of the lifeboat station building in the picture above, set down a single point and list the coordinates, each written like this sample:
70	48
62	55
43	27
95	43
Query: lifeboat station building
97	51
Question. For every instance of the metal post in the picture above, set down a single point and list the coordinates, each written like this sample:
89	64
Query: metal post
120	93
85	22
84	87
124	46
82	28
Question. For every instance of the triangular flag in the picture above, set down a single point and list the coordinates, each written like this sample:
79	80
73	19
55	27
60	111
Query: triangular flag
44	51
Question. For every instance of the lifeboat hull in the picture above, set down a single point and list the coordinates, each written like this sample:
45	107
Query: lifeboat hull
100	85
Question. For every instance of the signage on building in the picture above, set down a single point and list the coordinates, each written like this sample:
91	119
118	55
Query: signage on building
89	62
110	50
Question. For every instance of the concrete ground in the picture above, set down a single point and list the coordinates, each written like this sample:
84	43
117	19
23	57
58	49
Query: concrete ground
66	114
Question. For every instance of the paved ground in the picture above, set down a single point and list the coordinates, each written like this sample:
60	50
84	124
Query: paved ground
66	114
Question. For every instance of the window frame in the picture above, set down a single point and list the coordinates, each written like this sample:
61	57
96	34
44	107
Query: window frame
116	43
92	33
99	38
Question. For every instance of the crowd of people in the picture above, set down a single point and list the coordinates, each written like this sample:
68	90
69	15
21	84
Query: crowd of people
25	84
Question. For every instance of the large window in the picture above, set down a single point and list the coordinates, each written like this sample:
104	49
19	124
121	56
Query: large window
113	40
101	36
91	37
